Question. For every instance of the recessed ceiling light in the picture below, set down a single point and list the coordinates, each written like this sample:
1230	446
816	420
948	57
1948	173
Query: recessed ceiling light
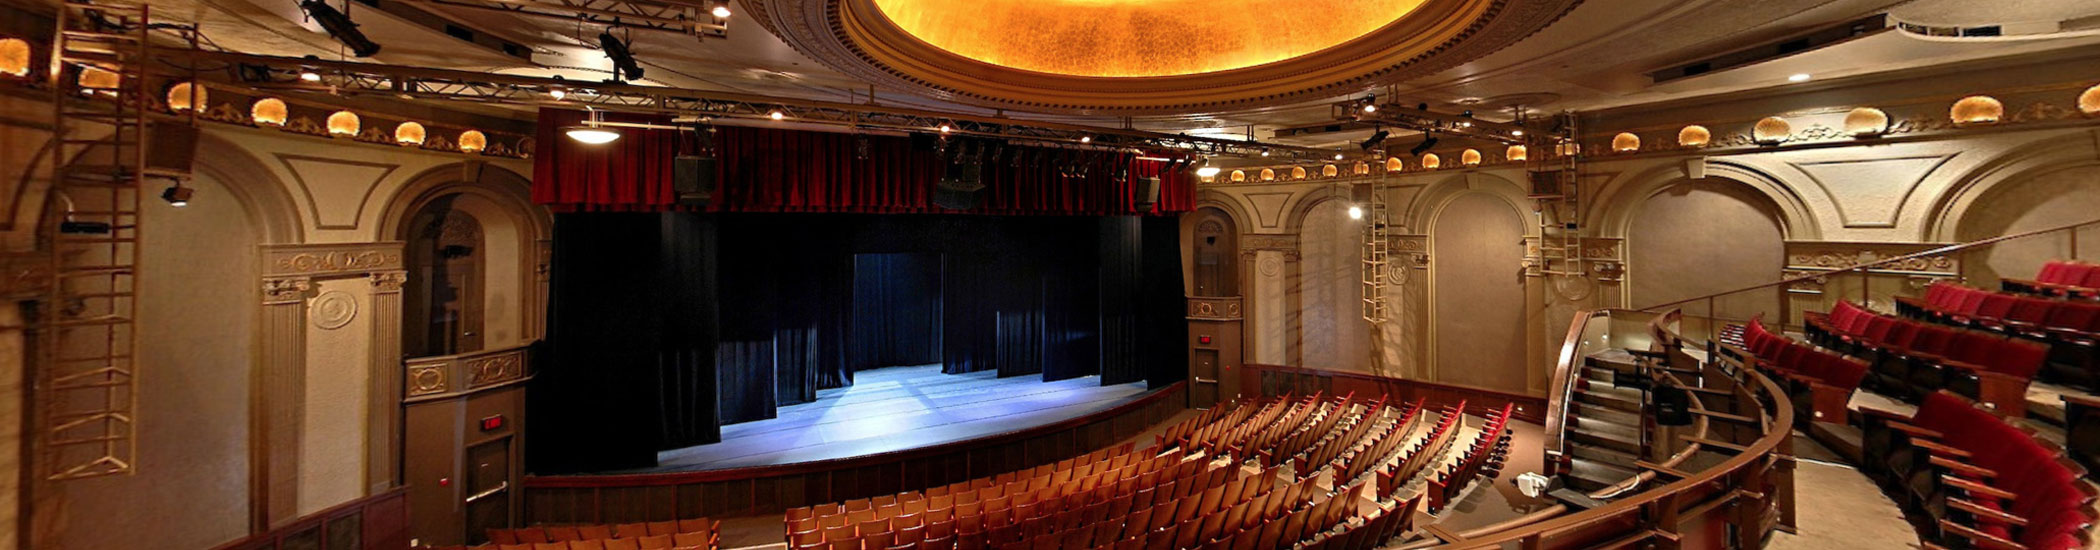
1798	77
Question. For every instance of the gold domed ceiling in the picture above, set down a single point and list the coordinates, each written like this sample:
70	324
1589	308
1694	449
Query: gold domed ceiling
1136	38
1147	57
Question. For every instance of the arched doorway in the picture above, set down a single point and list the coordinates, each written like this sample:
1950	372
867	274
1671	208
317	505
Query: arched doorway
1211	251
443	301
1214	254
1477	258
1698	237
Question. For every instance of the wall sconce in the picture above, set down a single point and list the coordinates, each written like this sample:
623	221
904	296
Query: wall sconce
1977	109
343	123
1297	172
1469	157
1866	122
1694	136
409	134
1431	162
14	57
1625	142
1771	130
268	111
1394	165
1268	174
1517	153
1329	171
2089	102
472	141
184	96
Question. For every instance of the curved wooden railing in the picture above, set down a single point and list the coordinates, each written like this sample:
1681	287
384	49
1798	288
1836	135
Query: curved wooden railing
1751	490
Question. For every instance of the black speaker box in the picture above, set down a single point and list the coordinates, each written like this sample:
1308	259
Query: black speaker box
693	177
1147	193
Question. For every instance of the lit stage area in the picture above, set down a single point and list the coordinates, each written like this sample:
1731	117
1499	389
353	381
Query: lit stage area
898	408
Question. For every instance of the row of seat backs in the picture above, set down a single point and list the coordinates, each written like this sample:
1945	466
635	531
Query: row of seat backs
1381	525
2049	490
2015	357
1329	450
653	542
1118	458
1491	442
2069	273
695	527
1787	355
2070	315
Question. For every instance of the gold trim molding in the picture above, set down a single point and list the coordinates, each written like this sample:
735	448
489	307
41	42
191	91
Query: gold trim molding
311	260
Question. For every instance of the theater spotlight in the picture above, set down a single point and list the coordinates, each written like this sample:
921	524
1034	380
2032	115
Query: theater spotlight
1207	170
1428	142
339	26
590	132
1356	212
177	195
1377	138
721	9
622	58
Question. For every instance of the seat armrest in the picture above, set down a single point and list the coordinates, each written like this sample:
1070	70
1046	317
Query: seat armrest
1971	471
1982	512
1915	431
1980	538
1939	449
1974	488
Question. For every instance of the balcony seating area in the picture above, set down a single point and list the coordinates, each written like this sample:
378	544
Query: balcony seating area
1819	382
1484	457
1910	359
2059	278
2069	326
1970	478
687	534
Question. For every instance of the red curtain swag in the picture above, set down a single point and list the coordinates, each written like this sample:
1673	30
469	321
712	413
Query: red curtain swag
772	170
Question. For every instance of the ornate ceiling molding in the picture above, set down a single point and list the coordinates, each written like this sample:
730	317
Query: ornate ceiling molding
855	38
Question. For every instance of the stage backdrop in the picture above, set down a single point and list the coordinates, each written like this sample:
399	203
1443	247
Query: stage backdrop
666	326
775	170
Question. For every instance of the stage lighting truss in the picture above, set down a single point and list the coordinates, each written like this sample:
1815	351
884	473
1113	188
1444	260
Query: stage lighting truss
354	78
1408	117
694	18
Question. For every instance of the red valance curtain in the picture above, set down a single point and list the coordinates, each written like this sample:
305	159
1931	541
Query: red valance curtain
772	170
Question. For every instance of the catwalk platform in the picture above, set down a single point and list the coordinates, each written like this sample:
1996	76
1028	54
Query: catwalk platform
899	408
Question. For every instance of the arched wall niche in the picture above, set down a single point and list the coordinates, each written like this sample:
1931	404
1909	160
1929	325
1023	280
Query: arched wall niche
1688	238
2040	198
1477	305
1329	325
513	228
1962	201
1620	201
199	296
1214	253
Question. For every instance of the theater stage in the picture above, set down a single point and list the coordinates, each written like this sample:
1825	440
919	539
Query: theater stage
898	408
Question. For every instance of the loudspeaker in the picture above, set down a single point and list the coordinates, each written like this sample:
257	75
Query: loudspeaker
172	146
693	177
1673	405
1147	193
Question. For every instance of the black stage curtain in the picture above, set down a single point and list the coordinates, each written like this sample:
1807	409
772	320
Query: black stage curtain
896	310
663	325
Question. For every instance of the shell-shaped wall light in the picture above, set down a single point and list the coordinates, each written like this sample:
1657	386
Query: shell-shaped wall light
1866	122
1431	162
1517	153
1977	109
1694	136
1297	172
472	141
14	57
1469	157
268	111
343	123
1268	174
1239	175
1625	142
2089	102
184	96
1771	129
1329	171
1394	165
409	134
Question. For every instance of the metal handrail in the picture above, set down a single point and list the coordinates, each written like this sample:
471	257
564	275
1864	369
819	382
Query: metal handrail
1940	251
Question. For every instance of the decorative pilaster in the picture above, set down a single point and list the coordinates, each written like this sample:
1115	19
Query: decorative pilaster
383	426
278	410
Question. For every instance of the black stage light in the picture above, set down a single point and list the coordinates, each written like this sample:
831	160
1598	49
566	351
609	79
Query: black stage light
177	195
339	26
622	58
1377	138
71	227
1427	143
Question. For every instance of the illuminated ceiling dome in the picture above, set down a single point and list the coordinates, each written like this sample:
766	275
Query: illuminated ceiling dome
1139	37
1147	57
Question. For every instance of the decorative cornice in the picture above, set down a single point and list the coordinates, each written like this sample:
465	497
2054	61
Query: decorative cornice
453	375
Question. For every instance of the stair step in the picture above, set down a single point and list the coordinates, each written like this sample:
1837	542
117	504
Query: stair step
1606	400
1601	454
1608	440
1589	475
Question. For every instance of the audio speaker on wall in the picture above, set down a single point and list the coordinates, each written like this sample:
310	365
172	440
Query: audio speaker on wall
1147	193
693	177
173	147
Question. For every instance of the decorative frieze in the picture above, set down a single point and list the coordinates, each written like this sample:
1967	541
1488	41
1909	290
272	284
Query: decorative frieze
1832	256
332	259
434	377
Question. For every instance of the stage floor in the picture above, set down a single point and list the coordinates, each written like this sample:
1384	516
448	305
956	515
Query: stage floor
898	408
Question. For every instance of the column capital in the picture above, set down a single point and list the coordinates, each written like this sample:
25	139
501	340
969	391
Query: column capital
286	290
388	281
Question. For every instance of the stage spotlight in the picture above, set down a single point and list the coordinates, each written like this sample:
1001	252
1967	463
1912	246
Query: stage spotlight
1207	170
1356	212
177	195
71	227
339	26
309	75
1337	156
590	132
946	128
1424	147
776	115
1086	139
721	9
1517	133
1377	138
622	58
1265	152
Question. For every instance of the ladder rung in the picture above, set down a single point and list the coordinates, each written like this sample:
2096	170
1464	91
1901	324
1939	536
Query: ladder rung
99	321
104	358
96	270
110	240
91	35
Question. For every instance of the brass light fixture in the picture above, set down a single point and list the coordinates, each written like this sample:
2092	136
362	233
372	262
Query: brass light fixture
472	141
343	123
1977	109
14	57
1431	162
1866	122
1771	130
1625	142
1469	157
268	111
1694	136
184	96
409	134
1517	153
